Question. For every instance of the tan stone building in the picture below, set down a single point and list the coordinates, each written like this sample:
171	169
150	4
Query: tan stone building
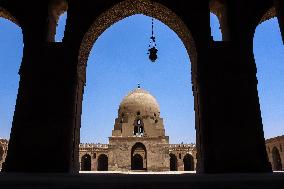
3	150
138	141
275	152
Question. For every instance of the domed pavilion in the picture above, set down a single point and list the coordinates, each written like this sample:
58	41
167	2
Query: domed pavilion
138	141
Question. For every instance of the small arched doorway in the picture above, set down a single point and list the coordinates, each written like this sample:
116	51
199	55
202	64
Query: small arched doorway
188	163
103	162
277	165
173	162
138	157
86	163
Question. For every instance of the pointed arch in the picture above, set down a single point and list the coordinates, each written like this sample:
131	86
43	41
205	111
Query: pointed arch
129	8
188	163
102	162
57	9
173	162
138	157
276	160
86	163
116	13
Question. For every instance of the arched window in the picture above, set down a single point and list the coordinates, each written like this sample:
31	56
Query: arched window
188	163
138	128
102	162
276	160
138	157
86	163
138	122
173	162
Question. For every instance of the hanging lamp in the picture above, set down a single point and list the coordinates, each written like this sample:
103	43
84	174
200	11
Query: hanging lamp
152	51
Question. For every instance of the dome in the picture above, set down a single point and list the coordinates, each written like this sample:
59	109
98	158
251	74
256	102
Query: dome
139	100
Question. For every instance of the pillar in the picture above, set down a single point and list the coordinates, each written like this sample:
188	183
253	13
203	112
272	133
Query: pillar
42	129
233	139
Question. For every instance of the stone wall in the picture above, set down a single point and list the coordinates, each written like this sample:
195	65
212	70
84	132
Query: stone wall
3	151
156	153
275	144
180	151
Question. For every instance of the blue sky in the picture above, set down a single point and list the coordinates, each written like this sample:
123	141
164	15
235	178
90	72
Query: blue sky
118	61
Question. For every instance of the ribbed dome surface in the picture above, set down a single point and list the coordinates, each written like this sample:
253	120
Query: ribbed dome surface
139	100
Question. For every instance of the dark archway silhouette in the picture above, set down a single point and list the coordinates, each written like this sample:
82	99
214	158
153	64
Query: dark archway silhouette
86	163
138	157
188	163
277	164
173	162
103	162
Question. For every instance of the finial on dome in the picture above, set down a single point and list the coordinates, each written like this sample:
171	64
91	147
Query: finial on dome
138	86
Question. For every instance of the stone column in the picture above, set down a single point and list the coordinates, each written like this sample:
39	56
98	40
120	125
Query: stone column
42	130
232	132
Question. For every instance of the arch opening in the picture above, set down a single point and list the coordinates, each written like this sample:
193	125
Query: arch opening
57	16
276	160
220	29
129	8
116	14
188	164
60	29
86	162
138	128
138	157
101	25
215	28
102	162
173	163
268	54
11	53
